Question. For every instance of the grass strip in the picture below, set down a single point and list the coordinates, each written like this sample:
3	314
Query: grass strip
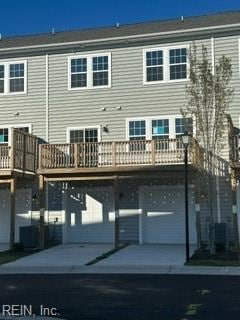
107	254
214	263
10	255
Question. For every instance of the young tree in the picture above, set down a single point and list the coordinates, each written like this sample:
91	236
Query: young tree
208	97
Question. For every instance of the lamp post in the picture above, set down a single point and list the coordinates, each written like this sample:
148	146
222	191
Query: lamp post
186	139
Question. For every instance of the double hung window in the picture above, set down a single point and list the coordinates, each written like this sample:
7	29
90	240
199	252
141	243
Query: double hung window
90	71
13	78
165	65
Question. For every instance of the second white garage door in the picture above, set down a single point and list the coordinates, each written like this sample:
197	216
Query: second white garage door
89	215
163	215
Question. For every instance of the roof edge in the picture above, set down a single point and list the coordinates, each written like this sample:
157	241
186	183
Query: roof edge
123	38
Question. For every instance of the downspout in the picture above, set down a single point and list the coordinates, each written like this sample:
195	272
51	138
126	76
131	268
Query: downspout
47	132
47	101
217	170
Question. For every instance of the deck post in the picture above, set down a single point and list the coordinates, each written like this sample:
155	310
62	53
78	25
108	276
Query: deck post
42	211
197	208
234	210
12	212
24	153
153	151
75	155
116	206
12	146
114	153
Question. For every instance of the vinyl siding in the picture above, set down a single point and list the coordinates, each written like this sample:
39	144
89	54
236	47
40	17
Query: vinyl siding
83	107
30	106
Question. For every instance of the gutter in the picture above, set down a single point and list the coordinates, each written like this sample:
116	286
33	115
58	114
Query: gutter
205	30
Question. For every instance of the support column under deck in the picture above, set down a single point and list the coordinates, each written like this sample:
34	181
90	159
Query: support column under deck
12	212
235	211
116	205
42	211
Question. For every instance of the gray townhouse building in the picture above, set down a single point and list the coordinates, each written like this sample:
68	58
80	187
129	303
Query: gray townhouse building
90	132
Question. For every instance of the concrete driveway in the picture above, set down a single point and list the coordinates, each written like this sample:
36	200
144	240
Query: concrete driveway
147	255
63	256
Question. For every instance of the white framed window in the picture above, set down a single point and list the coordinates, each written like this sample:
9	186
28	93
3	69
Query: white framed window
83	134
178	64
78	72
167	64
13	77
157	127
137	130
87	139
160	128
5	132
182	125
89	71
2	78
154	65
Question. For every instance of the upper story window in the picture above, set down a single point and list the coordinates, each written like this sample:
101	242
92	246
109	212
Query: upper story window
2	77
178	63
165	65
90	71
16	77
13	77
79	73
100	71
154	65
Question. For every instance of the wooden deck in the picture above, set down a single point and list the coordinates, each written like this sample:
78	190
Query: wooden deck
116	156
20	157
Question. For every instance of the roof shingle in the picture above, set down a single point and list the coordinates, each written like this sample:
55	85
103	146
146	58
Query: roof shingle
220	19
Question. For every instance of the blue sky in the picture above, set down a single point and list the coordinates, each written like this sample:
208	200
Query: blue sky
34	16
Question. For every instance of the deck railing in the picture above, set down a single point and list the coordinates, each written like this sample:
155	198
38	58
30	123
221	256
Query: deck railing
21	155
116	154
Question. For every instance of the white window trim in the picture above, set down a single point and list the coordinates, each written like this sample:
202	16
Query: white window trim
10	127
89	58
166	65
98	127
7	77
171	118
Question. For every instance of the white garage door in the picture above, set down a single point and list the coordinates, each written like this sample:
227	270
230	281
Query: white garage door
89	215
163	215
23	213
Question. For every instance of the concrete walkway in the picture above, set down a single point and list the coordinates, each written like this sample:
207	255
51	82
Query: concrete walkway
62	256
147	255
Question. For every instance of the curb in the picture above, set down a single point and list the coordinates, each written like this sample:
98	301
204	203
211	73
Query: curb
94	269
